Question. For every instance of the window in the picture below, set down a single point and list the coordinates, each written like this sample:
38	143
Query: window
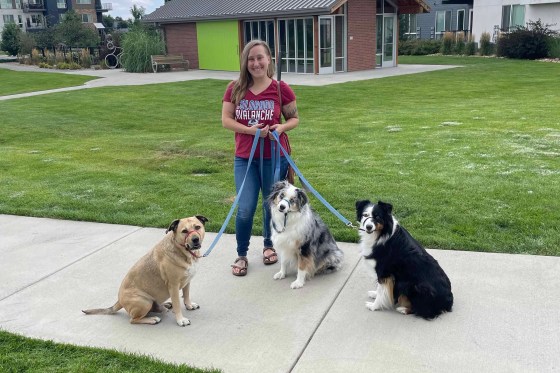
296	45
9	18
83	2
6	4
263	30
86	18
61	4
443	21
461	20
513	16
409	24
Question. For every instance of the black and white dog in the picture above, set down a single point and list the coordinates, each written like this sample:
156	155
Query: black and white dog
300	236
409	279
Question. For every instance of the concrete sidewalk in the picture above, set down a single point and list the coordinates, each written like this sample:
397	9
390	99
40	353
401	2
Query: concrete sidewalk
118	77
505	317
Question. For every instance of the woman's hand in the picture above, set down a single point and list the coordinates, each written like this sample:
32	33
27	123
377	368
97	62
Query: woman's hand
276	127
264	130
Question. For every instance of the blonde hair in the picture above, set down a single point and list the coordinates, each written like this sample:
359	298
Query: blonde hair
241	85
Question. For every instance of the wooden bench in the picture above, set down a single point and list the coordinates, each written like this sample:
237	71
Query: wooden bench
170	59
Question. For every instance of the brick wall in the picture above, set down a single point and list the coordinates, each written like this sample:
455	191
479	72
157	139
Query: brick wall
361	34
180	38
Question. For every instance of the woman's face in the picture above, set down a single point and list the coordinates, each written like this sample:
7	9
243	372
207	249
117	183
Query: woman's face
258	61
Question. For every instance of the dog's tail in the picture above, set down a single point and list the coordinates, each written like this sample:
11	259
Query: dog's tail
333	261
104	311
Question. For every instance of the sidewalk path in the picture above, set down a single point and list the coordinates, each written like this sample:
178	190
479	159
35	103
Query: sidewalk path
118	77
505	317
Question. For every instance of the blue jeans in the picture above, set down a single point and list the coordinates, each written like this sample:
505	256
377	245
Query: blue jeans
250	197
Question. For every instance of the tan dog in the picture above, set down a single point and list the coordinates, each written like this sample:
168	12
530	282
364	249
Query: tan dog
161	274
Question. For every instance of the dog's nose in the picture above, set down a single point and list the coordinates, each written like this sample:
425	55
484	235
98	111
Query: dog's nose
195	239
281	207
369	227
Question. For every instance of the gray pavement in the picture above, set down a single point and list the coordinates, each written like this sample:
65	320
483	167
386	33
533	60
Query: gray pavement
505	317
118	77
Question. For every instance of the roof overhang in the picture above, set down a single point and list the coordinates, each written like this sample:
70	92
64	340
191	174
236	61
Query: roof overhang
413	6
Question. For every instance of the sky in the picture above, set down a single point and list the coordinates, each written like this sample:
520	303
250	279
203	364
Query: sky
121	8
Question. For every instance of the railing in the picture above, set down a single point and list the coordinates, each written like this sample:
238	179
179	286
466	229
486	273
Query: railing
33	6
104	7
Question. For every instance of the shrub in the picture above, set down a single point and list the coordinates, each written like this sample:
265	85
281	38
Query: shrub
486	47
11	34
447	43
138	45
44	65
460	44
554	47
470	48
528	43
419	47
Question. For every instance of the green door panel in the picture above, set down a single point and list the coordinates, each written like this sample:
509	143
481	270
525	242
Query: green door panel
218	45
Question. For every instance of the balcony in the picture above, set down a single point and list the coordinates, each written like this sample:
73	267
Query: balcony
33	6
104	7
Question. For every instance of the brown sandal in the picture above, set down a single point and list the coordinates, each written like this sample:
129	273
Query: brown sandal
268	259
242	269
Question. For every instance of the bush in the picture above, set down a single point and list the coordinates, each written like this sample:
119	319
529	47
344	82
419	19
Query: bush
447	43
470	48
11	35
138	45
460	44
486	47
528	43
419	47
554	47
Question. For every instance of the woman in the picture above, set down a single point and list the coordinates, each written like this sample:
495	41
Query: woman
254	98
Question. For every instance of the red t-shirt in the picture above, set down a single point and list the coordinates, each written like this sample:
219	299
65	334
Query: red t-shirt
265	107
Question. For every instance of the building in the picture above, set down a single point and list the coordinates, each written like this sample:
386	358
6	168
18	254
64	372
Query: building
34	15
311	36
494	16
454	16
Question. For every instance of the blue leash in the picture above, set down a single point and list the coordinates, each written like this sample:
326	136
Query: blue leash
236	201
304	181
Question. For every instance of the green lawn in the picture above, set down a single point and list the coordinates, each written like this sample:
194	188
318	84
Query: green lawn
468	156
14	82
19	354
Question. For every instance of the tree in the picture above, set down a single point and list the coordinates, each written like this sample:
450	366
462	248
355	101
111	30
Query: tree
72	32
108	22
11	34
137	13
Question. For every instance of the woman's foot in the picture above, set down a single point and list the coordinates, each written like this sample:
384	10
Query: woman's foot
239	267
269	256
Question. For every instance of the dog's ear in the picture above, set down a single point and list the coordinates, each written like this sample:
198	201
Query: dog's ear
173	226
387	207
360	205
276	188
202	219
301	197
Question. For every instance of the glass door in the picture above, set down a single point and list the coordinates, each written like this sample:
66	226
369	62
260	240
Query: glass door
389	22
326	46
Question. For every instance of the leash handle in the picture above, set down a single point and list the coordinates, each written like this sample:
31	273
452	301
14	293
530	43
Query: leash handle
236	201
308	185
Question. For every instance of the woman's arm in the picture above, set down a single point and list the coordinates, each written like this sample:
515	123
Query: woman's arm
290	113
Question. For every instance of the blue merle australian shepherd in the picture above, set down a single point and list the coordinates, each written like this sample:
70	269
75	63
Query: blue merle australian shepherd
300	236
409	279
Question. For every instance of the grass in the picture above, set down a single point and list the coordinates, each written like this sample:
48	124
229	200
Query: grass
19	354
15	82
468	156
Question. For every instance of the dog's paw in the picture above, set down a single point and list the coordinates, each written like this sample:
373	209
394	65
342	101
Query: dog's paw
372	306
183	322
279	275
168	305
296	284
154	319
192	306
372	294
403	310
